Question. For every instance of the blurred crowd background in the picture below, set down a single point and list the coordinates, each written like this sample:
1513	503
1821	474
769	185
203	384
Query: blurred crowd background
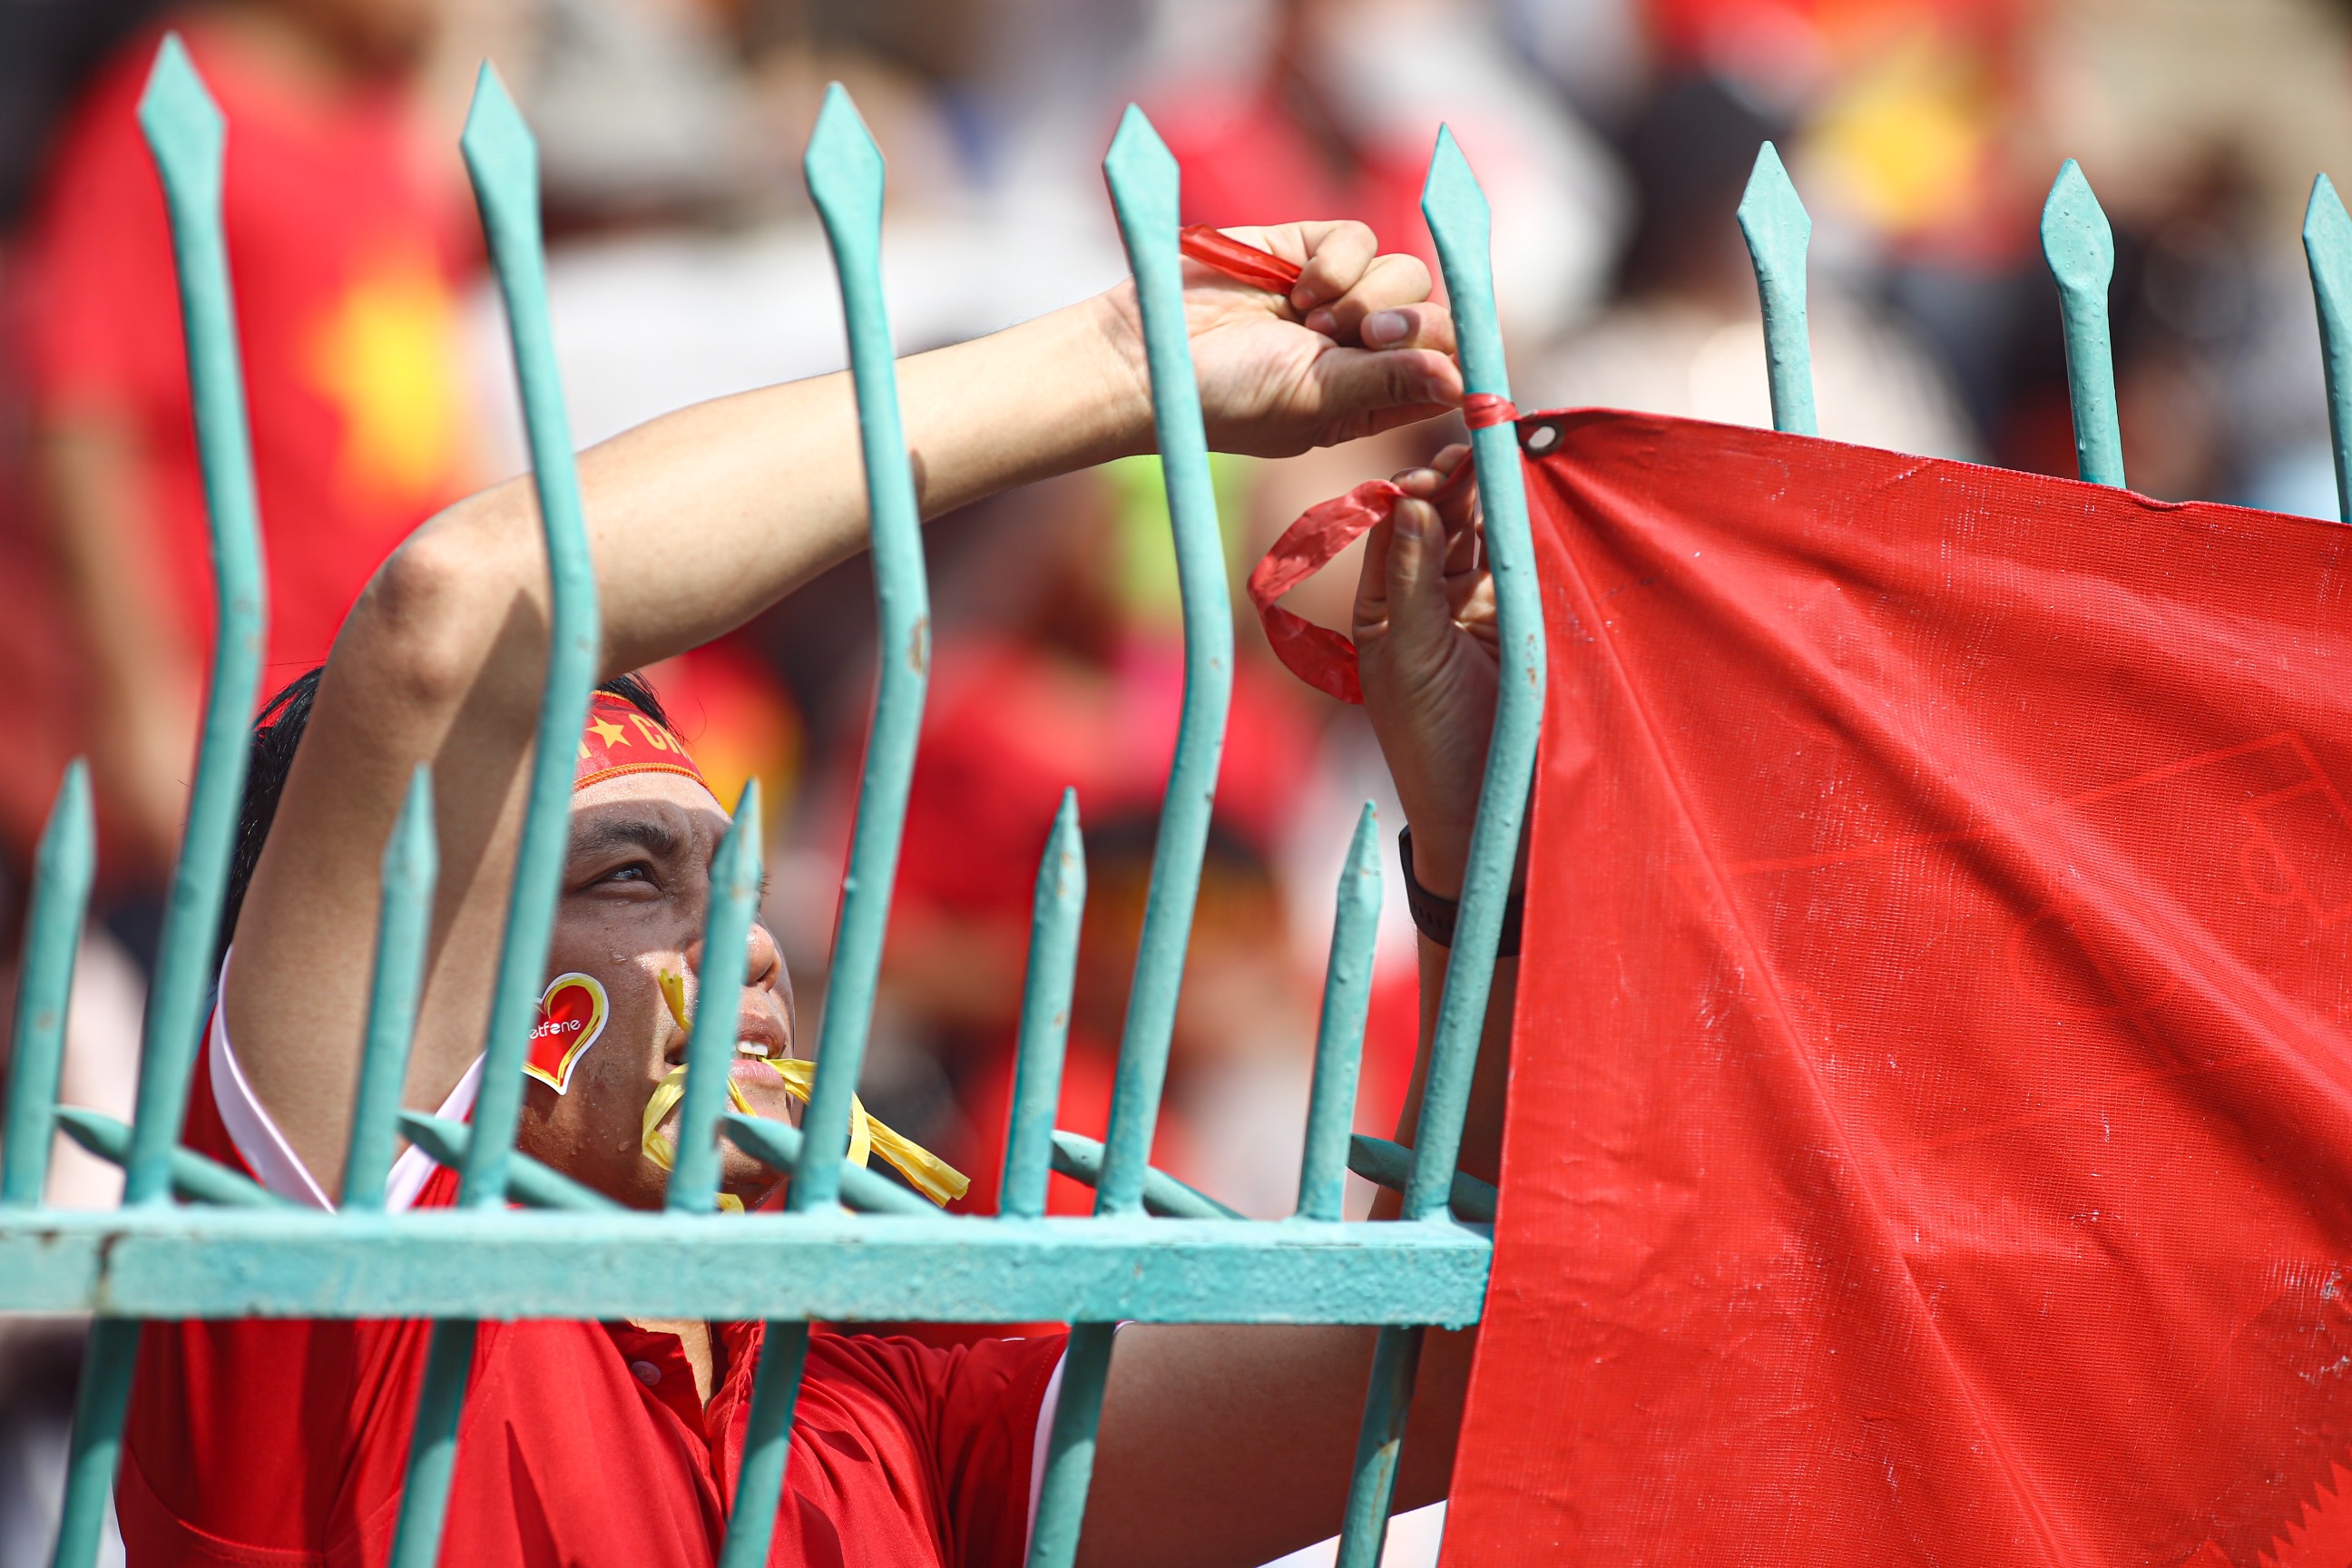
1613	138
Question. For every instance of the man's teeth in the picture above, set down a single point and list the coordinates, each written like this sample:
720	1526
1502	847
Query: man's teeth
750	1049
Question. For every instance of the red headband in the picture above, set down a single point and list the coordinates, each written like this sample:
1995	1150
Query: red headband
620	740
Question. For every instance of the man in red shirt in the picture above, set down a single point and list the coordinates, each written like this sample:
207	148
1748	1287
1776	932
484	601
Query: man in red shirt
283	1444
348	238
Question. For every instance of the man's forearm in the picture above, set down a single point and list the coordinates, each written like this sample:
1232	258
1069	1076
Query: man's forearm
1481	1153
1227	1445
699	519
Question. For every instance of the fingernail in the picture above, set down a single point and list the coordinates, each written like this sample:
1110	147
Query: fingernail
1383	328
1323	321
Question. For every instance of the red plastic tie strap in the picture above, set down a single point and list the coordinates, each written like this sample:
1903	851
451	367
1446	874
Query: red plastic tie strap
1482	409
1318	656
1210	247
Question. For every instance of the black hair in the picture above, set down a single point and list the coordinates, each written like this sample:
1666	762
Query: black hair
278	730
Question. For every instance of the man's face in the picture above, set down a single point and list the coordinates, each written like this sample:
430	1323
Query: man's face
637	893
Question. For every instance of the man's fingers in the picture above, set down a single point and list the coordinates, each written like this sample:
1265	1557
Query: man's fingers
1390	307
1462	542
1337	254
1356	381
1423	326
1372	578
1419	616
1434	476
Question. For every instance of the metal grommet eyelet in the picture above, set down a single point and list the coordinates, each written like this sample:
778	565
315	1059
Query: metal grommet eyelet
1539	437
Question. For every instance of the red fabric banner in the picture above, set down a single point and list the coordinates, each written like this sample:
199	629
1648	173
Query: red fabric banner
1930	1135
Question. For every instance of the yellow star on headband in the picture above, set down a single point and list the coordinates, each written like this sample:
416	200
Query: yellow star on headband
612	734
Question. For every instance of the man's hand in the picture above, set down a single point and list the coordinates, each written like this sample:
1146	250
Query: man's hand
1426	646
1355	348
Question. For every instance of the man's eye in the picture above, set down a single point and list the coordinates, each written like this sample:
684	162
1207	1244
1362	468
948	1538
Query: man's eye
631	873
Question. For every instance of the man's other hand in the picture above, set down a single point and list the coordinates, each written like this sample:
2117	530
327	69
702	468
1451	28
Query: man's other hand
1427	649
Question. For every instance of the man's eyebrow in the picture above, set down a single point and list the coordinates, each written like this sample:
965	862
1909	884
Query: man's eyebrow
596	839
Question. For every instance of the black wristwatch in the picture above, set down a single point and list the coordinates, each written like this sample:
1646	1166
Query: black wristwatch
1433	917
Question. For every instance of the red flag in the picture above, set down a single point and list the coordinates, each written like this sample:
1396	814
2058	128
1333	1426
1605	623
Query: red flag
1930	1135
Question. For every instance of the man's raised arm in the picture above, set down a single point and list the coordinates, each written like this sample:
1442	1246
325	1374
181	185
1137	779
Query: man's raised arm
696	523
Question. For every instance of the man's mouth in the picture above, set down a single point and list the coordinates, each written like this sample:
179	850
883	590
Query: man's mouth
764	1040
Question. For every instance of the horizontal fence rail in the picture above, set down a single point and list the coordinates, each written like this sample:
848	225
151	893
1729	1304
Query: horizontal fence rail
851	1245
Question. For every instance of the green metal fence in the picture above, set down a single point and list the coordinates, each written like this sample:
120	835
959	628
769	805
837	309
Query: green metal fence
851	1247
195	1240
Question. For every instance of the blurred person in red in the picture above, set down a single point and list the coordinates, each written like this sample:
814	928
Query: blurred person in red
348	240
1071	673
1336	114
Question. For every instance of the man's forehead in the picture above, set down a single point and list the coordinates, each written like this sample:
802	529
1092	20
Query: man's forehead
654	790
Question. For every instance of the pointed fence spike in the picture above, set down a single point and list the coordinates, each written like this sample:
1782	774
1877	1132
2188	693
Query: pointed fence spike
843	166
503	161
1456	210
1340	1038
185	133
2081	250
1779	232
1143	176
412	866
1057	911
2327	247
844	177
710	1051
63	868
1458	221
187	140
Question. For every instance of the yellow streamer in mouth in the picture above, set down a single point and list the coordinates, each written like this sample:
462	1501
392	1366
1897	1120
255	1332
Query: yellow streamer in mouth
925	1172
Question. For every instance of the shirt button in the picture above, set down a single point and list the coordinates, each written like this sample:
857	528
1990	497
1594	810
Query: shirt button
645	1373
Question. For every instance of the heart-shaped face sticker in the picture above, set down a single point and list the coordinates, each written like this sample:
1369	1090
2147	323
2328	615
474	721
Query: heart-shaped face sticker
571	1017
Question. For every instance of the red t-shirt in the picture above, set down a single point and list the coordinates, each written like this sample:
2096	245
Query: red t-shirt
348	239
584	1443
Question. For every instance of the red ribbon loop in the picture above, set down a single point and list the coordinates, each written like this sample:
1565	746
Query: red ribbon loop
1318	656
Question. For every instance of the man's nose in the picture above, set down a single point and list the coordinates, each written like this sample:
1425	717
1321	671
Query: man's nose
763	961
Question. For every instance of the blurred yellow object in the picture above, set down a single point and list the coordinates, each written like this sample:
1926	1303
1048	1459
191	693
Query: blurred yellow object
389	359
1905	140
